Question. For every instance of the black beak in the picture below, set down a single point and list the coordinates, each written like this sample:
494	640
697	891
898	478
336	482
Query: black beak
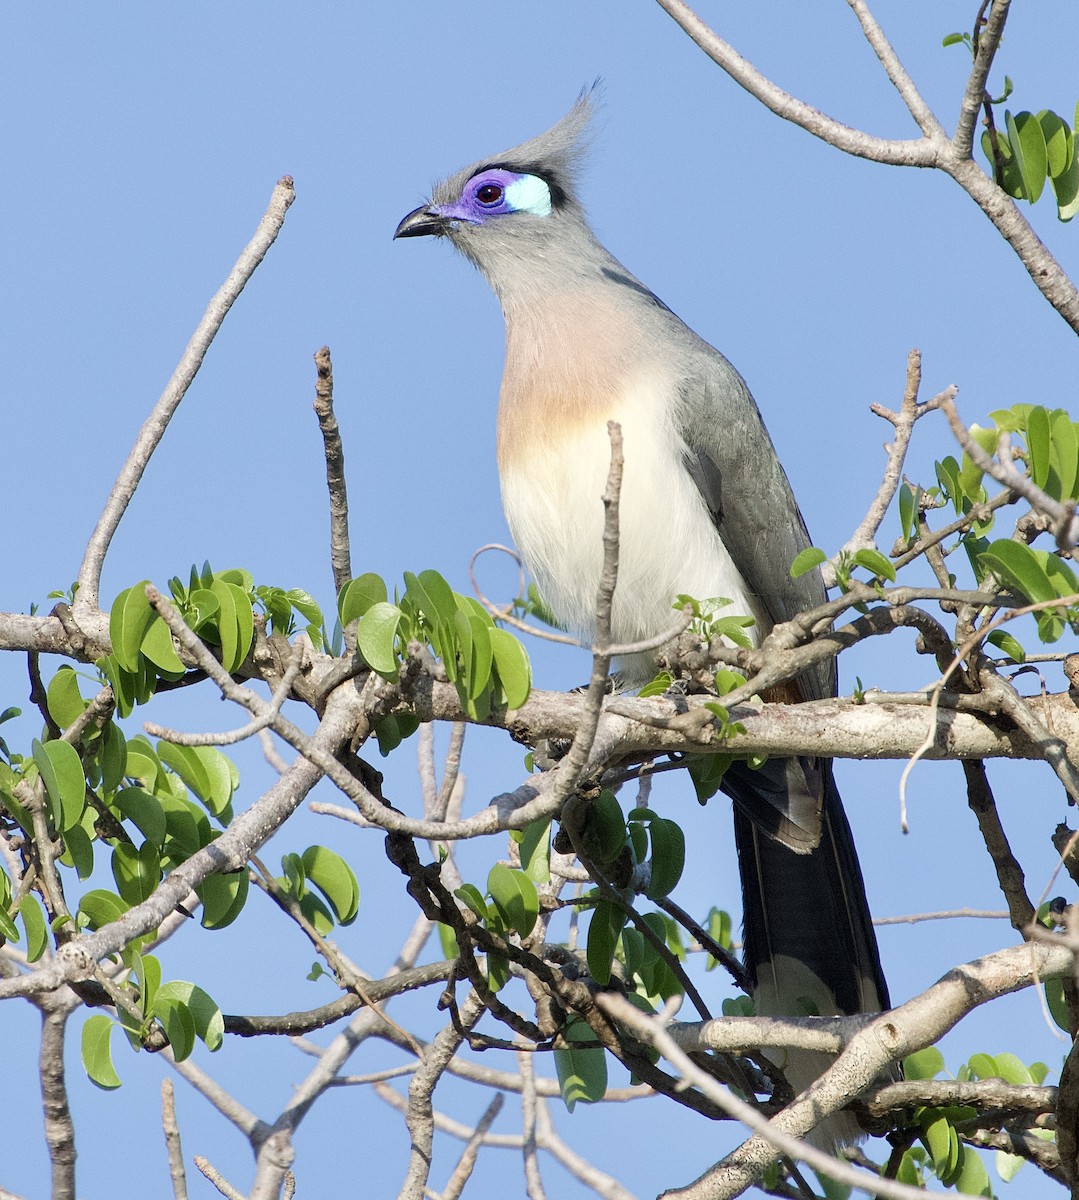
421	221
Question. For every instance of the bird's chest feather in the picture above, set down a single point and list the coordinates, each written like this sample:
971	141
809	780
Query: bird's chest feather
554	456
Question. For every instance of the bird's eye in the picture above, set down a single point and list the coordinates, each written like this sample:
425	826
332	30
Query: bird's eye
489	193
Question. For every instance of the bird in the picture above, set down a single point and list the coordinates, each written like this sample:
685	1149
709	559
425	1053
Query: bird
706	510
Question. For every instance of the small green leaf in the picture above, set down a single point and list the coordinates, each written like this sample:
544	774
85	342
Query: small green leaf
235	622
61	772
137	872
908	511
1008	645
972	1179
498	970
923	1064
178	1022
37	930
607	922
334	879
360	594
1012	1069
582	1071
113	757
131	616
1038	439
534	848
1027	141
1066	190
223	898
806	560
472	897
514	669
144	811
983	1066
78	851
63	698
515	897
100	907
376	635
204	769
1008	1165
1054	999
207	1021
668	852
97	1052
875	563
604	828
1059	143
158	647
1019	567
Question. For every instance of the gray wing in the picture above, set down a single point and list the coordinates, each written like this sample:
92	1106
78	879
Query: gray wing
734	465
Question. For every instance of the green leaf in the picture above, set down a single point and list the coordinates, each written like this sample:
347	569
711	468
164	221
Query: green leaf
178	1023
63	698
908	511
235	622
360	594
515	897
144	811
37	930
1038	439
875	563
137	872
498	970
1008	644
1065	452
1018	566
534	848
113	757
806	560
604	828
608	920
223	898
100	907
582	1071
514	669
1054	999
97	1052
668	852
376	635
473	637
1008	1165
472	897
334	879
208	1023
983	1066
61	772
923	1064
1059	144
947	471
131	616
973	1179
1066	190
78	851
204	769
831	1190
1012	1069
158	647
1027	142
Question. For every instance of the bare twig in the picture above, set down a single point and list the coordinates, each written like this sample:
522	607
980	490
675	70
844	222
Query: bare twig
1009	872
217	1179
455	1185
172	1141
340	553
89	580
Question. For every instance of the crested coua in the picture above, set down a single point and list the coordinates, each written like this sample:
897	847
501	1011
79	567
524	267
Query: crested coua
706	510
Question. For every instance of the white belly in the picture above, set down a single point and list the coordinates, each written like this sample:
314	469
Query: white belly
668	544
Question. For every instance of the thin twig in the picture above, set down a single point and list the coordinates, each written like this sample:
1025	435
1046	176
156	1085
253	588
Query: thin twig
340	552
172	1140
89	579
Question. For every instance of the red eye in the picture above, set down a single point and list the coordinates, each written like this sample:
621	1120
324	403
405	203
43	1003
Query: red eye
489	193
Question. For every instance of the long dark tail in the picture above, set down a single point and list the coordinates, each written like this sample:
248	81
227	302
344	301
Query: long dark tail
809	940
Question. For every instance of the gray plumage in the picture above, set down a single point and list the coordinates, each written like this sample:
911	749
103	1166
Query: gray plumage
706	509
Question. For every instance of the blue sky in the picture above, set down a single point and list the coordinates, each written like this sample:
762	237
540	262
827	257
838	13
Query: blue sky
141	144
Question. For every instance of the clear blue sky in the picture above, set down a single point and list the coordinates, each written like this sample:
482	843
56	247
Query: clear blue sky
140	145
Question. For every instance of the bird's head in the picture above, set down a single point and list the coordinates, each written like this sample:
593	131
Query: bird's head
501	207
